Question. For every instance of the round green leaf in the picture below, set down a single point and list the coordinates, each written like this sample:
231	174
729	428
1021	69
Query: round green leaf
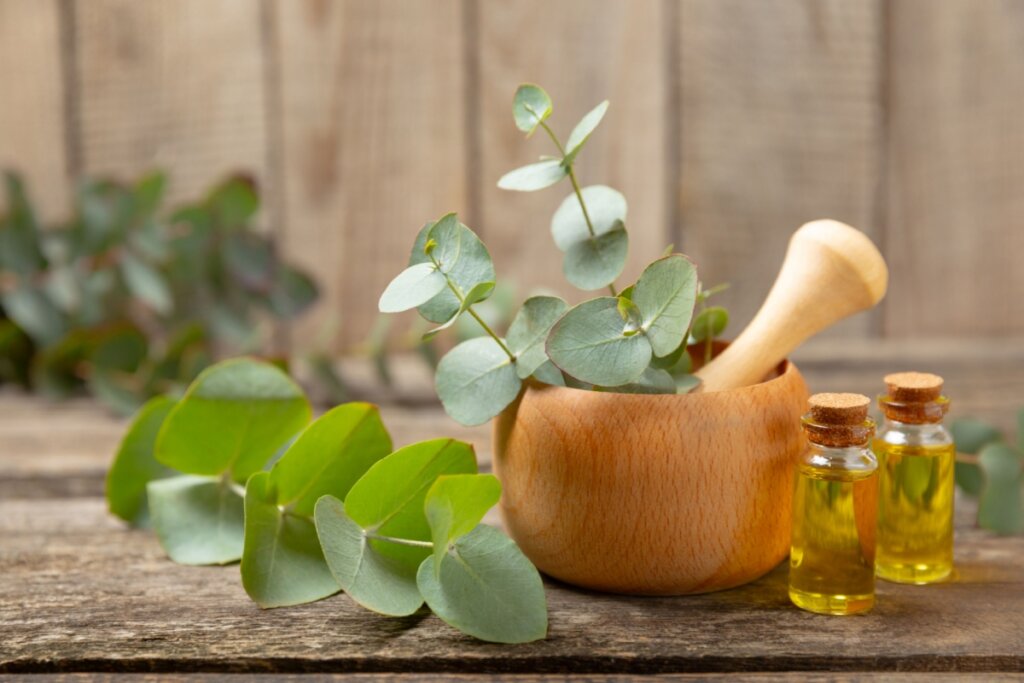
233	418
455	504
530	106
35	313
533	176
605	206
579	135
292	292
462	257
414	286
282	563
487	588
134	465
116	360
1001	504
590	343
375	581
198	520
477	294
665	294
476	380
652	381
548	373
593	263
971	435
709	323
529	330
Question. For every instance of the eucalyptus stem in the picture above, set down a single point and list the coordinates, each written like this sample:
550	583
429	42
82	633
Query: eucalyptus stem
469	309
400	541
554	138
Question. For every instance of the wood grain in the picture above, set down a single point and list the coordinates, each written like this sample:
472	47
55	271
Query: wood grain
32	103
955	208
581	52
81	593
179	86
780	117
374	146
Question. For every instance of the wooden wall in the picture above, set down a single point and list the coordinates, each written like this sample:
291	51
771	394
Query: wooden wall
732	122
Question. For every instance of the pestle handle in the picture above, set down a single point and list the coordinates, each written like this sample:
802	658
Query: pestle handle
831	271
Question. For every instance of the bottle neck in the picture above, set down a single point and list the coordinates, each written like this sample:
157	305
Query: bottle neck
857	458
907	413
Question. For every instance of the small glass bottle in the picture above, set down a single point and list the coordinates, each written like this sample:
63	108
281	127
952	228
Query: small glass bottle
916	457
832	557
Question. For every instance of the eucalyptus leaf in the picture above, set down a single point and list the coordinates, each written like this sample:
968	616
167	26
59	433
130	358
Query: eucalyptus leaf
487	588
709	323
686	383
971	434
461	257
606	208
198	520
475	295
534	176
282	563
1001	504
329	456
530	106
590	343
665	294
548	373
579	135
969	477
234	417
594	263
375	581
116	361
233	202
529	330
476	380
134	465
35	313
455	504
414	286
652	381
292	292
20	237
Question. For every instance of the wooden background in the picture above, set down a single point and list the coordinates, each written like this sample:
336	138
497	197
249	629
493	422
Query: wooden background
732	122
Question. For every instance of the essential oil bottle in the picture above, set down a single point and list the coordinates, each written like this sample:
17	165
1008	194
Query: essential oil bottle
832	558
916	458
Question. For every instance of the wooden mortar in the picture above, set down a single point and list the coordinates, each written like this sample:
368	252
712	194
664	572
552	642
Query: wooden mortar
674	494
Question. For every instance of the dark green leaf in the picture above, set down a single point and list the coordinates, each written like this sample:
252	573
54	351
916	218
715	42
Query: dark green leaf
971	435
20	249
666	293
455	504
134	465
530	106
35	313
476	380
1000	505
487	588
199	520
116	361
709	323
292	292
533	176
233	203
529	330
590	343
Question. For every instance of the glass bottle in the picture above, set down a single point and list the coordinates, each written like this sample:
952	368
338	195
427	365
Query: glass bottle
916	457
832	557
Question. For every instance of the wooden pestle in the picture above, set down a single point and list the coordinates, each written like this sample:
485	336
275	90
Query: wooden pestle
831	271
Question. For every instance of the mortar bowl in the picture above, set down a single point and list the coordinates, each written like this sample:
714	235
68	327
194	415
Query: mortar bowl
652	494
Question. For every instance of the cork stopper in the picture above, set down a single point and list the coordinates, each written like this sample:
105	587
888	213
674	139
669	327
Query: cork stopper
913	387
914	398
838	420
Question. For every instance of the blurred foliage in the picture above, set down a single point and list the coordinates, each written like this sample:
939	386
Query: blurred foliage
128	300
991	468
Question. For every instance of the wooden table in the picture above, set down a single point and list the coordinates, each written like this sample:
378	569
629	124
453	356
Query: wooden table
81	593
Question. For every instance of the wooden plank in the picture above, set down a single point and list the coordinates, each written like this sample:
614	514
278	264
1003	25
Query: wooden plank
806	677
956	143
780	125
581	52
32	102
178	86
373	128
80	592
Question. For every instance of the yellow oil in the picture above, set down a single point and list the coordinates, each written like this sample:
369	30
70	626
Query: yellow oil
915	512
832	559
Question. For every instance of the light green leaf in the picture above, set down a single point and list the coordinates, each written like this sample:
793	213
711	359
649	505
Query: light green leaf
709	323
234	417
582	131
476	380
665	294
686	383
414	286
455	504
652	381
487	588
594	263
198	520
146	284
529	330
971	434
35	313
548	373
590	343
632	320
134	465
530	106
477	294
376	581
605	206
1001	504
282	563
329	456
532	177
461	256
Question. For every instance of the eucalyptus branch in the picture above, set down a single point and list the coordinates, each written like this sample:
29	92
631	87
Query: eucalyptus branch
554	138
400	541
469	309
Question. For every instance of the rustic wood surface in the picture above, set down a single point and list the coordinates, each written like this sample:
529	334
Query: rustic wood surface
82	593
731	124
